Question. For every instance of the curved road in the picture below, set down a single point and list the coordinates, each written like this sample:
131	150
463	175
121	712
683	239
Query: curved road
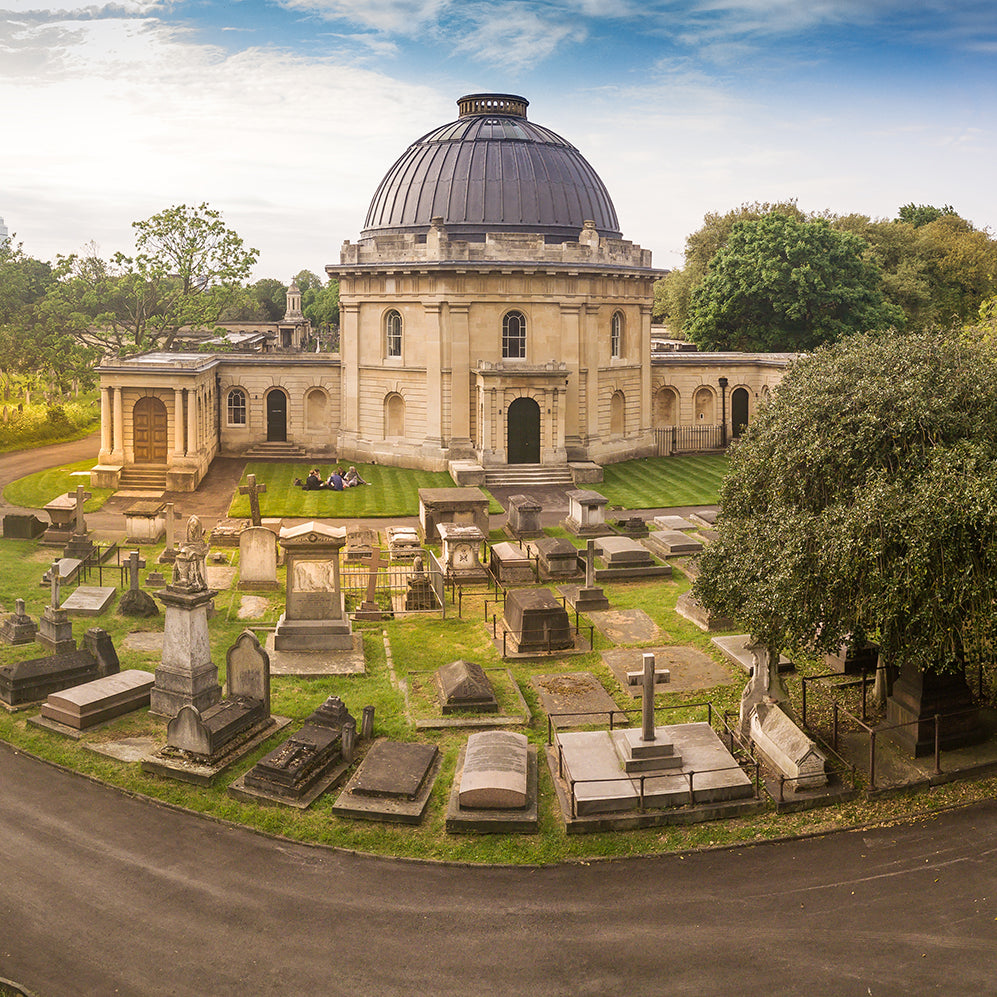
104	894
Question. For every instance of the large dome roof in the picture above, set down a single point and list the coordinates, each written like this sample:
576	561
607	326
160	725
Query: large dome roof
491	170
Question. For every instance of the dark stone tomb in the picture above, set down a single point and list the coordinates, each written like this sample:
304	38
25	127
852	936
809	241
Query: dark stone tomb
83	706
17	526
558	558
537	621
463	685
395	769
524	517
18	627
853	658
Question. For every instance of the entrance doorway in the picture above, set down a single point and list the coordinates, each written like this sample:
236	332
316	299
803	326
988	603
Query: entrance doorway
738	411
276	416
150	431
524	432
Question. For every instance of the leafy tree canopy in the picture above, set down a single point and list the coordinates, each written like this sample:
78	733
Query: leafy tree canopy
921	214
863	500
782	284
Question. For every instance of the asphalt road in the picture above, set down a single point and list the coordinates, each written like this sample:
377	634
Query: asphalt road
105	894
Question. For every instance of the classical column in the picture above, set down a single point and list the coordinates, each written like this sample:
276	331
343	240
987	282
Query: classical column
574	354
433	343
118	421
460	377
646	418
191	422
588	422
178	422
106	440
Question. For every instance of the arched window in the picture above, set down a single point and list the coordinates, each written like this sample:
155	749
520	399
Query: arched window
237	407
393	334
514	336
704	402
394	416
616	335
665	407
617	414
316	409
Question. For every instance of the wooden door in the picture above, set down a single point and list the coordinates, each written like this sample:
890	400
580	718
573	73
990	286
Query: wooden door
150	431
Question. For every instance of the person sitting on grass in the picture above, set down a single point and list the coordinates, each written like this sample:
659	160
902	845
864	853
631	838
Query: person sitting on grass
314	481
335	481
352	478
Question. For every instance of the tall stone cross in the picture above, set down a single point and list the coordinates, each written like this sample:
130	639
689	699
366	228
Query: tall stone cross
56	580
590	564
133	563
370	610
647	700
253	490
81	496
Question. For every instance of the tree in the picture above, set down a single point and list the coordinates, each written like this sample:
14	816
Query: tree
783	284
921	214
863	500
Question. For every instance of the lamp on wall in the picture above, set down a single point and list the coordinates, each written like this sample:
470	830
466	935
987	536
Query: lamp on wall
723	411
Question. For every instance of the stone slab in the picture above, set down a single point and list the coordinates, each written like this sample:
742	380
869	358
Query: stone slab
673	523
220	576
705	517
150	641
523	820
89	600
395	769
578	693
621	552
736	650
351	662
396	810
125	749
625	626
102	699
672	543
251	794
494	775
694	611
691	669
253	607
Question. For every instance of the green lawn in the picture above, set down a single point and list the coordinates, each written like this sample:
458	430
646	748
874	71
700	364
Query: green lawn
393	491
662	482
36	490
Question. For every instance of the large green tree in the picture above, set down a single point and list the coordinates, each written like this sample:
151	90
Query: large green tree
781	284
863	499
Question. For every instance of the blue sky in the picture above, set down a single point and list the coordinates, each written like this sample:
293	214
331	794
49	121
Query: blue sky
285	115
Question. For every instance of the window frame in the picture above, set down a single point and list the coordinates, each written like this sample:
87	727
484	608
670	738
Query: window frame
519	340
393	334
232	410
616	328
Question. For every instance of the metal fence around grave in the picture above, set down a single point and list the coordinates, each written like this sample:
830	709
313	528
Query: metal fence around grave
689	439
391	582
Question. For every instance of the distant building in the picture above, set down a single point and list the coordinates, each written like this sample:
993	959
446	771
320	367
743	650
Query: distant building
4	234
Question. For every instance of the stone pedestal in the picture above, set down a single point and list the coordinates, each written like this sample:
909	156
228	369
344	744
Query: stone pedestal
145	521
462	552
524	516
187	676
586	513
18	628
55	631
462	506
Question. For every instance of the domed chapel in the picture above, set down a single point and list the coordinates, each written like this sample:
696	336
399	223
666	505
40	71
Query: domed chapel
491	314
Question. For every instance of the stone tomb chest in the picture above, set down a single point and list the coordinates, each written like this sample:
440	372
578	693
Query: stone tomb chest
524	516
558	557
145	521
463	685
103	699
462	552
511	565
403	542
669	543
20	526
586	512
622	552
461	506
537	621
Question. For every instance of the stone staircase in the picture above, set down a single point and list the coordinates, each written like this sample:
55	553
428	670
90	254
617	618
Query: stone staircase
276	451
143	478
529	476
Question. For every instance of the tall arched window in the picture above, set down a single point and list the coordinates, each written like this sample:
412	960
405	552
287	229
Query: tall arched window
514	336
616	335
236	407
393	334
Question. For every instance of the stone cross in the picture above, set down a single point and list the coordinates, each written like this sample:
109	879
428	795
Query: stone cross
647	699
19	608
370	610
133	563
55	580
253	490
81	497
170	526
590	564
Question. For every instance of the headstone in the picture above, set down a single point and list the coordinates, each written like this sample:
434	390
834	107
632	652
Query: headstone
463	506
853	658
586	512
92	703
524	516
55	630
403	542
207	736
787	749
186	676
369	608
80	545
590	597
360	542
647	750
18	627
257	559
247	670
463	685
315	617
558	558
536	621
145	521
764	686
511	565
462	552
170	551
495	771
18	526
67	568
633	526
135	602
155	580
254	491
420	594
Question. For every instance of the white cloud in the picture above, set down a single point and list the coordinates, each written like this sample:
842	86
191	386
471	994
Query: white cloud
403	17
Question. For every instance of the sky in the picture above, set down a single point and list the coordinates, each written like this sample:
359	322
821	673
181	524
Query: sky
285	115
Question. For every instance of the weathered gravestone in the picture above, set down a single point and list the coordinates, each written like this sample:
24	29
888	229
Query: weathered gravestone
257	559
135	602
254	491
419	594
84	706
145	521
586	513
589	597
536	621
18	627
524	517
55	629
403	542
671	543
460	506
495	771
80	545
462	552
788	751
360	543
170	550
18	526
89	600
633	526
558	558
463	685
511	564
61	513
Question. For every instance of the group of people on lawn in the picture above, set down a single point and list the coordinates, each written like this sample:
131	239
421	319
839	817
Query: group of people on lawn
336	481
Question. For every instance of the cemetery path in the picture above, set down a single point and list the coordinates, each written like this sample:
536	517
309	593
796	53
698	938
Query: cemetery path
105	894
19	463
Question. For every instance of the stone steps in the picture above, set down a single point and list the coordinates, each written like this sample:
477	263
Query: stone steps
527	475
143	477
276	451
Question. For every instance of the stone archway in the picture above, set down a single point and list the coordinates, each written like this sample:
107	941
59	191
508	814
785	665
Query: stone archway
276	416
150	436
523	423
738	411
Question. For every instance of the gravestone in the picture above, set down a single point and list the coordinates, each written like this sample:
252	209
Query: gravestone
558	558
622	552
463	685
257	559
511	565
694	611
89	600
315	616
589	597
419	594
169	520
495	771
247	670
853	658
524	517
788	751
55	630
649	749
83	706
135	602
705	517
672	543
254	491
18	627
80	545
633	526
360	543
673	523
403	542
586	513
155	580
461	506
67	569
369	608
536	621
462	552
18	526
186	676
145	521
61	513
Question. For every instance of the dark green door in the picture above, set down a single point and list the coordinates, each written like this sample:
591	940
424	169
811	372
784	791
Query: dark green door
277	417
738	411
524	432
